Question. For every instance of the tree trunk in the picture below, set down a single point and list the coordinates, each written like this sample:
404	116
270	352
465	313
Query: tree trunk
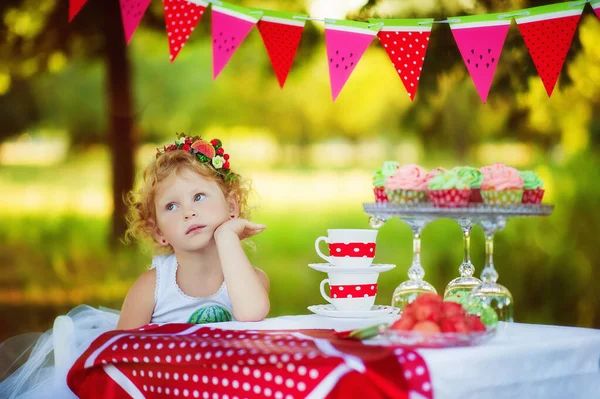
121	138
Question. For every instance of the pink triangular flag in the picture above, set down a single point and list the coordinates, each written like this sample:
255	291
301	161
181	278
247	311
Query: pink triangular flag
480	40
230	26
74	7
346	42
548	32
181	18
132	12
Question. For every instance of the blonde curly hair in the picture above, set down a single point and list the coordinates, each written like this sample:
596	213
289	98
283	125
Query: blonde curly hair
141	213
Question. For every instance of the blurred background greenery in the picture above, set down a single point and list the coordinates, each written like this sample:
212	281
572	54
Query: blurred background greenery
81	114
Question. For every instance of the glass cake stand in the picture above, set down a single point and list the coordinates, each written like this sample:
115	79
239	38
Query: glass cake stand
491	218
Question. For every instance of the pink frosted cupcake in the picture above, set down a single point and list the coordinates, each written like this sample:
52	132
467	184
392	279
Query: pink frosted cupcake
407	186
501	185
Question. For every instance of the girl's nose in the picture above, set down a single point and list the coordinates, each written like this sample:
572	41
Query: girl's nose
190	214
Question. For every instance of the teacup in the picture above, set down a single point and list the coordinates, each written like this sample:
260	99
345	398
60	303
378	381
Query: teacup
349	247
350	291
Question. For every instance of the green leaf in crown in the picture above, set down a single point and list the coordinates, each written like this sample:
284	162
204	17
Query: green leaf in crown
210	314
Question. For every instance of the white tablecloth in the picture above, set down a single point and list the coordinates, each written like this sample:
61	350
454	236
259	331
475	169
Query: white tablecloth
522	361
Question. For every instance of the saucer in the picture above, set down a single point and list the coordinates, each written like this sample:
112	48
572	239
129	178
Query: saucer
375	311
329	268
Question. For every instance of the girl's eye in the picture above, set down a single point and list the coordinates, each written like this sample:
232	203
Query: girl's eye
199	197
171	206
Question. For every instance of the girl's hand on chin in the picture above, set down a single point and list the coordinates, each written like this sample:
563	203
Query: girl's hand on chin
241	227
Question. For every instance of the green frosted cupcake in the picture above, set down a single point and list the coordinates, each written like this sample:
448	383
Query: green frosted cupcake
448	190
474	178
533	187
387	170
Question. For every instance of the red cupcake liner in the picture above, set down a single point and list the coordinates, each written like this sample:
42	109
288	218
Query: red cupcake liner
380	195
451	198
476	196
533	196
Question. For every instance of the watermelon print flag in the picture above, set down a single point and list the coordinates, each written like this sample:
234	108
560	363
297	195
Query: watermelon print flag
596	7
195	361
405	42
230	26
132	12
480	40
548	32
346	42
74	7
281	33
181	18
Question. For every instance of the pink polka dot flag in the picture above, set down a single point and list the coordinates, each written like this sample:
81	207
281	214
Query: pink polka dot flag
194	361
181	18
548	32
405	41
132	12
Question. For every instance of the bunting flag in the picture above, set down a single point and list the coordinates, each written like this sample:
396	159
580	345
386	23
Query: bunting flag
548	32
132	12
181	18
74	7
596	7
480	40
230	26
406	42
346	42
281	33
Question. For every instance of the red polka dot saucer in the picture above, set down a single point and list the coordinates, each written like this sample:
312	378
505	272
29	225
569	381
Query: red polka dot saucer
375	311
329	268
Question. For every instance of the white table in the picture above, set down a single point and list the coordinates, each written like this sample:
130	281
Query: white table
523	361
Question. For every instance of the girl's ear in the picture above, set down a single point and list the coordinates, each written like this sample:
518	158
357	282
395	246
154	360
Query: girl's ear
158	235
234	205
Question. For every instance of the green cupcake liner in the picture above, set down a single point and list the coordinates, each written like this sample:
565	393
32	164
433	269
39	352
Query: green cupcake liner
406	197
503	197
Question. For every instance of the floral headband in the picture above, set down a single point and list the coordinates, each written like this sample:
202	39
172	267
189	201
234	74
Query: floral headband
211	153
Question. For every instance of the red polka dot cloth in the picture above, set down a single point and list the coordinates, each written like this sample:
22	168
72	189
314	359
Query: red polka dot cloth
181	18
548	32
194	361
353	249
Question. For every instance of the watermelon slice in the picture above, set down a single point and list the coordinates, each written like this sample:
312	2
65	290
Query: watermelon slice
405	42
281	34
596	7
181	18
132	12
346	42
548	32
204	148
230	26
480	40
74	7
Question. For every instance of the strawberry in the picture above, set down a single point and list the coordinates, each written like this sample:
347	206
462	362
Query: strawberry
451	309
409	310
405	323
426	327
460	324
428	298
448	325
429	311
474	323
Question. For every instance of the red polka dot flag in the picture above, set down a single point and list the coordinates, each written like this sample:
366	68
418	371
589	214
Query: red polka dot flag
74	7
405	42
281	33
548	32
193	361
132	12
181	18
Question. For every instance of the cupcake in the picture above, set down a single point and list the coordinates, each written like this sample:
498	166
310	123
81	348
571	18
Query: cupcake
448	190
387	170
533	187
407	186
434	172
501	185
473	177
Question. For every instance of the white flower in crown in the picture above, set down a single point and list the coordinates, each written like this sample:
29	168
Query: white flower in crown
218	161
180	141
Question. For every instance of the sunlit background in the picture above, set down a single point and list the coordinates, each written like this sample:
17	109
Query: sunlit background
310	160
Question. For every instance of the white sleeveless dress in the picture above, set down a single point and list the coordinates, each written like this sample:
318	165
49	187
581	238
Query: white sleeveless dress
43	375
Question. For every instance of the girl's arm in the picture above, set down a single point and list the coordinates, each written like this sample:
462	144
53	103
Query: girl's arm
139	303
248	286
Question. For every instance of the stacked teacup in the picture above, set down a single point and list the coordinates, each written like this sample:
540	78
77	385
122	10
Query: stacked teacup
352	275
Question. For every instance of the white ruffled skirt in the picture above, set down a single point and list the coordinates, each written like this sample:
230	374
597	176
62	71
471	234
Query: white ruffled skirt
44	373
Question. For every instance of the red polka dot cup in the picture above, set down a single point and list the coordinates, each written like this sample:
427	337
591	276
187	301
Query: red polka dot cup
350	291
349	247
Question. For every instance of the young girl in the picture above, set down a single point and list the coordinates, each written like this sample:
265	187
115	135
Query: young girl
193	208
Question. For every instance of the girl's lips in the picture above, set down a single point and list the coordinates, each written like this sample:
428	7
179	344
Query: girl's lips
195	228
